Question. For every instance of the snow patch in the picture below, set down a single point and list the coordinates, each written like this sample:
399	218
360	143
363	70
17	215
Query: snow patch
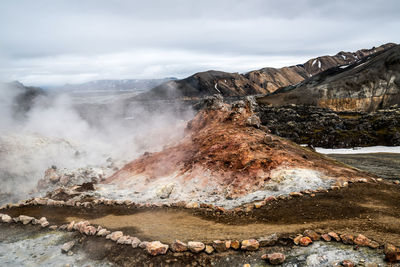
359	150
216	88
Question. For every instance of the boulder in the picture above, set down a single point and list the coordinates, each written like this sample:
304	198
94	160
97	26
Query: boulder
326	237
143	244
221	246
209	249
305	241
124	240
156	248
392	253
347	263
196	247
114	236
6	218
165	190
25	219
250	244
65	248
312	234
178	246
70	226
334	236
347	239
373	244
268	240
135	242
296	240
235	244
103	232
276	258
89	230
361	240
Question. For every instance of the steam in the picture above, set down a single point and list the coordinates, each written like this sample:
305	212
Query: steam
57	131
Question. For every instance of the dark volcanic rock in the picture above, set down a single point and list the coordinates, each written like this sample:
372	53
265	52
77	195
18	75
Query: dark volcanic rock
321	127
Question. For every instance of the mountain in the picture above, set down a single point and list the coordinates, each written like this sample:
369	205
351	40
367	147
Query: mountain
226	158
20	97
366	85
126	84
261	81
204	84
272	79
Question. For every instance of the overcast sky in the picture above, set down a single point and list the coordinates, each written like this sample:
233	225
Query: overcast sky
56	42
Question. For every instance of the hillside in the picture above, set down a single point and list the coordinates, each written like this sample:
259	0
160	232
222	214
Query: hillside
367	85
255	82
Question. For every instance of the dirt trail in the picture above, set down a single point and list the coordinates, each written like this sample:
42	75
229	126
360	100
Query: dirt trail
371	209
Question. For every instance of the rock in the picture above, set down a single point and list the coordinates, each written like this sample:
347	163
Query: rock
373	244
192	205
178	246
296	240
296	194
143	244
67	246
326	237
254	121
258	205
124	240
268	240
361	240
305	241
196	247
89	230
103	232
347	263
392	253
165	190
53	227
44	224
6	218
114	236
334	236
371	264
312	234
347	239
156	248
25	219
396	182
70	226
250	244
135	242
221	246
209	249
235	244
276	258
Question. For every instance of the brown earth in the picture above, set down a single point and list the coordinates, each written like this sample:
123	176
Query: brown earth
370	209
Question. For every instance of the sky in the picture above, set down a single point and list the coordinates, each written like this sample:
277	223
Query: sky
53	42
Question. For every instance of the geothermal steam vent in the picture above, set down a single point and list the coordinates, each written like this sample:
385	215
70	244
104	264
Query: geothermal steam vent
227	159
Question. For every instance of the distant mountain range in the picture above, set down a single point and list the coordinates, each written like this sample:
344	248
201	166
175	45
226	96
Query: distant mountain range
366	85
125	84
263	81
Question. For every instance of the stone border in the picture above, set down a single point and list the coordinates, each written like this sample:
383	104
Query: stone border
392	253
154	248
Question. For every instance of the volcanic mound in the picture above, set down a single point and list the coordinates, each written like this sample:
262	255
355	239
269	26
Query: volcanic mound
226	158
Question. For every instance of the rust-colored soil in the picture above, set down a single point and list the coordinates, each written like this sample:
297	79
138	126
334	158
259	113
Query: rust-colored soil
220	143
371	209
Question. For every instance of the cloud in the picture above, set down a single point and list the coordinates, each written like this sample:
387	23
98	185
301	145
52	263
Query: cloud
70	41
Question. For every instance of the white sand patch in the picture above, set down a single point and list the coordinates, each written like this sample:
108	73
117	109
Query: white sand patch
205	189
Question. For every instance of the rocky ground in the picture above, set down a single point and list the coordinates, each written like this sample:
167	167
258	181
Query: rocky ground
321	127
